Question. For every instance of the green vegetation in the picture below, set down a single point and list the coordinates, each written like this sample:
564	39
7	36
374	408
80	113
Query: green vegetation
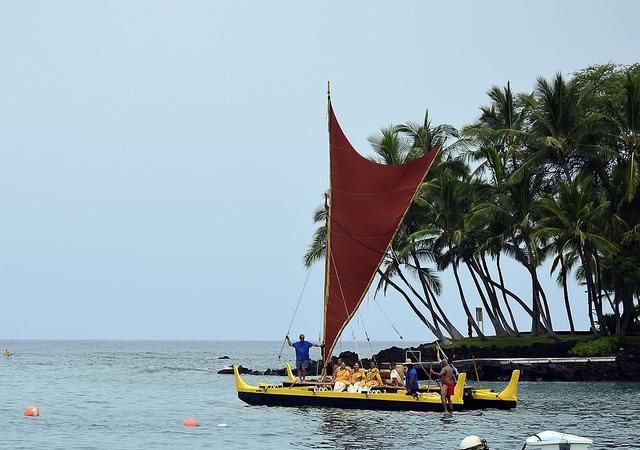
545	176
585	344
523	340
595	347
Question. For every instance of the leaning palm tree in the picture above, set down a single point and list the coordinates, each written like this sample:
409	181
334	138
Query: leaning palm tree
446	202
512	209
398	145
495	146
498	142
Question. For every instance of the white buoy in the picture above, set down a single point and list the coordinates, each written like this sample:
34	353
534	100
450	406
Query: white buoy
222	424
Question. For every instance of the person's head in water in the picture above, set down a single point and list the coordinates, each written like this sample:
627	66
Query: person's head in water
301	337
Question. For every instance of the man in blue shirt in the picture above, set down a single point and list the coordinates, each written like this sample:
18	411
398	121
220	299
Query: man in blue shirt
411	379
302	355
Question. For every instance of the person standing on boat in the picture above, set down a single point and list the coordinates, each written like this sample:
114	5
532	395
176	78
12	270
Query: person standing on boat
411	379
302	355
454	371
448	386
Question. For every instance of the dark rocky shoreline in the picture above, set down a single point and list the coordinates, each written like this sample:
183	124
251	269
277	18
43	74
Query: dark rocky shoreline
625	367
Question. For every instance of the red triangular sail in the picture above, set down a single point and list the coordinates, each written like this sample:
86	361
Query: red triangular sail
368	202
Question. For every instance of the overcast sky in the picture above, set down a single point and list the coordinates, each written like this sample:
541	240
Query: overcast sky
160	161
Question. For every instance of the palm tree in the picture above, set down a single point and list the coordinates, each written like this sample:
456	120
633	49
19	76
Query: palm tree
564	129
616	91
565	262
496	145
512	209
446	202
574	221
499	139
398	145
628	127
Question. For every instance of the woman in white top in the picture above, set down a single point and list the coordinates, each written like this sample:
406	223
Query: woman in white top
397	375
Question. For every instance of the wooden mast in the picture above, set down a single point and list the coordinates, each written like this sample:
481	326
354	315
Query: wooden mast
327	256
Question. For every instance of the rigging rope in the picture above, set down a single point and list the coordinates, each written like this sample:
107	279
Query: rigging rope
366	334
304	286
344	302
388	319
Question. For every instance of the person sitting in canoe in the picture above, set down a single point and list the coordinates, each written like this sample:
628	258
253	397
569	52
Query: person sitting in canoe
357	378
448	386
302	355
397	375
341	378
373	377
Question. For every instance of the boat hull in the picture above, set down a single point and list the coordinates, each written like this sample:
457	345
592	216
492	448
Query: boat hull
472	403
375	399
345	402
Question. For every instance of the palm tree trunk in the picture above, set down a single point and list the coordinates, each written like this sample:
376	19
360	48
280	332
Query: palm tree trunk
602	292
504	296
615	307
536	325
624	295
588	274
514	296
464	303
565	290
546	319
453	331
493	297
411	304
594	330
431	298
535	306
497	326
438	334
545	305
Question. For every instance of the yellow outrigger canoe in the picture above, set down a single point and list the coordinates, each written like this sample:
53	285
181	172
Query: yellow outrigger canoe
377	398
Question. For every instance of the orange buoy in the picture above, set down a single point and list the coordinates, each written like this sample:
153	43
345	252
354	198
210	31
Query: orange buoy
31	411
190	422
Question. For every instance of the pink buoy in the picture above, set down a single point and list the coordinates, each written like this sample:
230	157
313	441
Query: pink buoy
31	411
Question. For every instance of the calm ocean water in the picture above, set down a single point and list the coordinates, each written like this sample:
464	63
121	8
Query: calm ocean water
134	395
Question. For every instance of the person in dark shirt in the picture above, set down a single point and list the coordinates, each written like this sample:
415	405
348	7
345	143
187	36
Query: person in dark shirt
302	355
411	379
